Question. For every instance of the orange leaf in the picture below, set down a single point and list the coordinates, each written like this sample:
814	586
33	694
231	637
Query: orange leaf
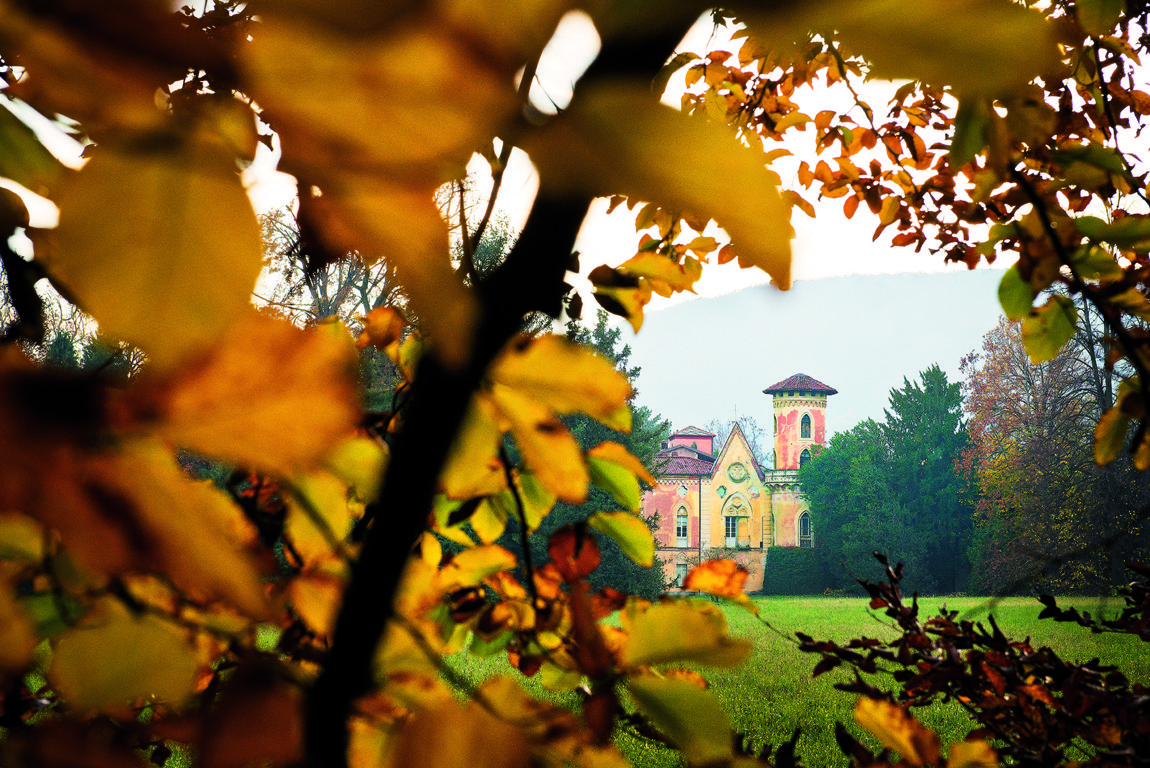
897	730
381	328
573	551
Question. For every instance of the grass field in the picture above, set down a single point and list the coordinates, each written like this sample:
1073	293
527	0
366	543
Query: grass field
773	693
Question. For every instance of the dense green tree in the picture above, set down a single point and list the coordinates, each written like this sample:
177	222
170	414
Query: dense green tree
892	487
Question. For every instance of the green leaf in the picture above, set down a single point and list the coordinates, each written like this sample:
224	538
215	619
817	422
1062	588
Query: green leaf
629	532
1047	329
1127	232
684	630
617	481
1096	155
691	716
1098	17
1094	263
971	128
1015	294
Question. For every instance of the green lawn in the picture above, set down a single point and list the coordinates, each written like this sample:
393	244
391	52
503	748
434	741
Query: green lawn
773	693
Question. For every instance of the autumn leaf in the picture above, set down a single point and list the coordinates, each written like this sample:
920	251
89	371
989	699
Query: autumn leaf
297	387
973	753
898	731
932	41
614	469
112	658
473	466
724	578
573	551
629	532
1047	329
690	716
654	266
382	327
615	139
563	375
318	515
548	448
161	245
681	631
17	633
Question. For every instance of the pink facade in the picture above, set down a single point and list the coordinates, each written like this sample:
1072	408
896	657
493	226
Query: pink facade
729	501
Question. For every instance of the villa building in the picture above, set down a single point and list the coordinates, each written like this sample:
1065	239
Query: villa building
720	497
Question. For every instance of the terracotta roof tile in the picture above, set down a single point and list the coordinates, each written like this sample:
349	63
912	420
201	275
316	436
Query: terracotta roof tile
681	465
800	382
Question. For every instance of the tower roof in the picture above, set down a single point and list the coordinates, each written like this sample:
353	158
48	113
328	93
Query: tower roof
800	382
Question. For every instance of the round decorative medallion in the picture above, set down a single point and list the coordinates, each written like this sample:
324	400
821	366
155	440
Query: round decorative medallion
737	472
682	491
755	491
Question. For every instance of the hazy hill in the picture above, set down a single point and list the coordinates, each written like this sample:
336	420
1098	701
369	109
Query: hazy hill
711	358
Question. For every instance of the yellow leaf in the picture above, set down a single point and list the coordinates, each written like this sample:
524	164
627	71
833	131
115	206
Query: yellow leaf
547	447
932	40
563	375
335	95
616	453
359	462
21	538
655	266
1110	435
136	510
681	631
690	716
615	139
318	515
537	500
268	396
973	753
316	593
629	532
161	246
472	566
112	658
898	731
625	301
473	466
490	518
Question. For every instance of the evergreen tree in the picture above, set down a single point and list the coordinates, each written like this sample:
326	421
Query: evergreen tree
648	430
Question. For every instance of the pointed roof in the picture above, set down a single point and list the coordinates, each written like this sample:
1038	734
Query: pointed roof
693	432
800	382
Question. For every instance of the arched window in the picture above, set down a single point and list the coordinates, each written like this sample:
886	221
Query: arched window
805	427
806	539
681	527
804	457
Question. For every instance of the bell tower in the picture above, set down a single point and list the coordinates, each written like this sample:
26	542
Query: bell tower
800	418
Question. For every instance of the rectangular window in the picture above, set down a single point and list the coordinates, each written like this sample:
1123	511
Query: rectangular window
731	525
680	574
681	530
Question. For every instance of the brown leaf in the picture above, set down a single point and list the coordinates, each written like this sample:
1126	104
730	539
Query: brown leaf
573	551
